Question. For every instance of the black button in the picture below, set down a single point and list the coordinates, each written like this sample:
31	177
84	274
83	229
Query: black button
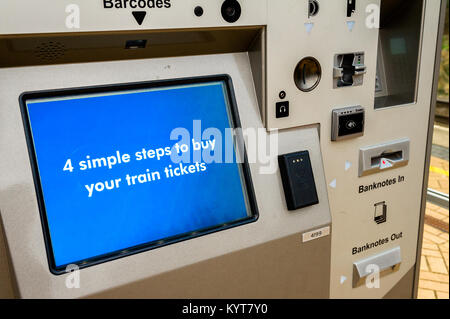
198	11
282	109
298	180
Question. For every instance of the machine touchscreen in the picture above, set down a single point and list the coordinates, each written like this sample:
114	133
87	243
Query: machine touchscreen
125	168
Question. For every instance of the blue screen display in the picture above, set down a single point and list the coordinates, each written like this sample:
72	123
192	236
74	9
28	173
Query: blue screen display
108	172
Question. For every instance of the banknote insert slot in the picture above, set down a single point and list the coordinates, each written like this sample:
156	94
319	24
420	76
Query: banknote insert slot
391	156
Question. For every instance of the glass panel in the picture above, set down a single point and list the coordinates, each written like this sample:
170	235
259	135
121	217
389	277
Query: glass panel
398	52
109	174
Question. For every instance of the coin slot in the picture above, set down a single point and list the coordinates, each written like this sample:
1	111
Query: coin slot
307	74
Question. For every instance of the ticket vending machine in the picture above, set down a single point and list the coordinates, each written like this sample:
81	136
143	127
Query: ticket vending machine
215	149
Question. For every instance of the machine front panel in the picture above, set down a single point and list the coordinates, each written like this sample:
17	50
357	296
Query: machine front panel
310	120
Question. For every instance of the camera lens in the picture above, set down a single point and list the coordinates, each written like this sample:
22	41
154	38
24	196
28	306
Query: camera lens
231	10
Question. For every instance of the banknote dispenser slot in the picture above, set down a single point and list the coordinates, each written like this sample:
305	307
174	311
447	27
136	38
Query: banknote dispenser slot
383	263
375	159
298	180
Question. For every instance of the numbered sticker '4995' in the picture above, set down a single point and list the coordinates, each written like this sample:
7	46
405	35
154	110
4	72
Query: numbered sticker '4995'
316	234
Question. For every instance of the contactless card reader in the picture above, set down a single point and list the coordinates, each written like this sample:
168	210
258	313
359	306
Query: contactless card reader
347	123
298	180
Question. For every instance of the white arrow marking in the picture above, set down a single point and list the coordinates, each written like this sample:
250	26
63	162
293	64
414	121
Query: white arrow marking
309	27
350	25
333	184
347	165
343	279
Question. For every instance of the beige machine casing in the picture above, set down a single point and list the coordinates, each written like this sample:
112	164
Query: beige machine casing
269	258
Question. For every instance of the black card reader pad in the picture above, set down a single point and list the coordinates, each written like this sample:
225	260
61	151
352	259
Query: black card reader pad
298	180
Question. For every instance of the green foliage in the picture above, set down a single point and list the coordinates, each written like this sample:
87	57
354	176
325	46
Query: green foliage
444	72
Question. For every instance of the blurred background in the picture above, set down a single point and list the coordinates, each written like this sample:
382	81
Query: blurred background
434	274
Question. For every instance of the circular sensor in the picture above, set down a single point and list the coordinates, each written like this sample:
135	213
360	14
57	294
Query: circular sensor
307	74
231	10
198	11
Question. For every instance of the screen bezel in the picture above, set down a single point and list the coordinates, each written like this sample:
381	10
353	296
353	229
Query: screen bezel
123	87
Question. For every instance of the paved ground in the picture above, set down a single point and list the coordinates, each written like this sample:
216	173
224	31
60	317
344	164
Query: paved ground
438	175
440	136
434	268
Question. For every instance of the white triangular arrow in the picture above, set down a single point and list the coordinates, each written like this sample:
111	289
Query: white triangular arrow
347	165
350	25
333	184
385	163
309	27
343	279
